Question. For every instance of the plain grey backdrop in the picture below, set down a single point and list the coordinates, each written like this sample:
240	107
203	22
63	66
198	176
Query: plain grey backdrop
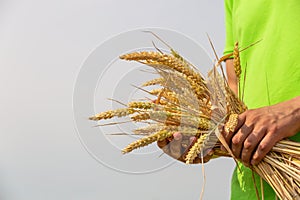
43	45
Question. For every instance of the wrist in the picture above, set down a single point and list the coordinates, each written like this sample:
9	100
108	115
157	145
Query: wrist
295	111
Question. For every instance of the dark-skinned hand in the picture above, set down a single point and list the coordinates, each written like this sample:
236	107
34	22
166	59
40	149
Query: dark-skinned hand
258	130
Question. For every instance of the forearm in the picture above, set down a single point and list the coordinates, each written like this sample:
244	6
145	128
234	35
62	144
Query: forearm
231	76
291	109
296	103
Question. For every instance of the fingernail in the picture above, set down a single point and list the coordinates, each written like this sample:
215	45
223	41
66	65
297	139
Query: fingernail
177	136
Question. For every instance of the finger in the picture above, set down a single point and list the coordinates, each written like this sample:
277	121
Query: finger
264	147
175	145
185	143
162	143
207	155
166	149
197	160
209	152
250	145
223	148
241	121
238	140
227	135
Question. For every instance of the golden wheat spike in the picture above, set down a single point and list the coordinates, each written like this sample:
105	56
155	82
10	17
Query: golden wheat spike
196	149
157	81
140	117
169	95
234	104
236	61
190	131
188	99
156	91
184	130
159	115
231	123
173	118
158	136
183	80
203	124
181	83
122	112
164	59
191	88
141	105
151	128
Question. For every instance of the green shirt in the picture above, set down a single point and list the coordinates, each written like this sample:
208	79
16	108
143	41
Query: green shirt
272	65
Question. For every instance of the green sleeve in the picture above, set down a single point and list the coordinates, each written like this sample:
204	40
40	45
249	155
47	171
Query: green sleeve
229	42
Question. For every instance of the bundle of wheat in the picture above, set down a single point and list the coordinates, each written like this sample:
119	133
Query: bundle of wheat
187	102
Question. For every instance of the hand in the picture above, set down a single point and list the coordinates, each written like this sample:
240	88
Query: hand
258	130
178	146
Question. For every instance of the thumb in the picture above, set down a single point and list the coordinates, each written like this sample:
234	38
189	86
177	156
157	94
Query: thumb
175	145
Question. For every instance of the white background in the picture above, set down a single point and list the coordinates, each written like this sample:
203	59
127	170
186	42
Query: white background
42	47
